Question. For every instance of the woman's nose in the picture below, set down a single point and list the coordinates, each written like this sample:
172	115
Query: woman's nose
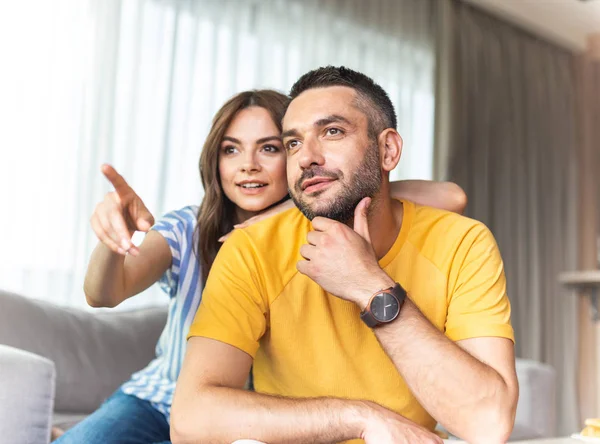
250	163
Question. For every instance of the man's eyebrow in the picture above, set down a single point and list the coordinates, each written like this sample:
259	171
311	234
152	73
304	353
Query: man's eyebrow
332	119
289	133
319	123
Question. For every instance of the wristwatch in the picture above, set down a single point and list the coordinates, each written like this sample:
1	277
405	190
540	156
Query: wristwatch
384	306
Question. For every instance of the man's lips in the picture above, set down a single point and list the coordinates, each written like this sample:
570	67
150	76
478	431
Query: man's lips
316	184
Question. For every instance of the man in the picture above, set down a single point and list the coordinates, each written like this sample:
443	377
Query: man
340	350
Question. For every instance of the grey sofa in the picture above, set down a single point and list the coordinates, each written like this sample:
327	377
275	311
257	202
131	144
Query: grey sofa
57	365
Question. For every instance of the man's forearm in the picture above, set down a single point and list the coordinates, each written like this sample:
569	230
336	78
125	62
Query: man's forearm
465	395
222	414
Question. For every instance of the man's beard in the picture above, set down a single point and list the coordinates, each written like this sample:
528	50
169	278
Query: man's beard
365	182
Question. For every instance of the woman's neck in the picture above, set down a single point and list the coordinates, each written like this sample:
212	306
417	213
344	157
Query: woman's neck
242	215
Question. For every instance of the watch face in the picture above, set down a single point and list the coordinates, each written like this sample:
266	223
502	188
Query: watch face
384	307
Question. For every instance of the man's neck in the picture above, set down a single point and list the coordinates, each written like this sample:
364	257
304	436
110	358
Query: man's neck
385	221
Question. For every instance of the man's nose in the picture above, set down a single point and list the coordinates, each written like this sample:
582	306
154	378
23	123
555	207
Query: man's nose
311	154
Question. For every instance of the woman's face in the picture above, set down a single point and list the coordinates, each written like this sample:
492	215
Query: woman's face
252	162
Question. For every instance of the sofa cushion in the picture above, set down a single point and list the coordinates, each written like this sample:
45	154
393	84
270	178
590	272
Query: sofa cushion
94	352
26	396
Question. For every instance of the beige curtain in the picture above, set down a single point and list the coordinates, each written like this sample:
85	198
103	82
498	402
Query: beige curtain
588	85
513	150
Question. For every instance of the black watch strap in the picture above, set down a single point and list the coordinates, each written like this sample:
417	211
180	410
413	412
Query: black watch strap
369	319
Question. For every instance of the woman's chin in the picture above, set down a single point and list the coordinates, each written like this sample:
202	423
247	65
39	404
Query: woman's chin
256	204
255	207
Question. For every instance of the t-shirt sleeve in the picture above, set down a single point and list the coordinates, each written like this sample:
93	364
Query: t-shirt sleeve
234	305
478	305
173	226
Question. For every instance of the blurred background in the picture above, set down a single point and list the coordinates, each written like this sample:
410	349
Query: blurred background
500	96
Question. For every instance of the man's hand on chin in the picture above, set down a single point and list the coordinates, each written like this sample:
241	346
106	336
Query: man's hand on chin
342	260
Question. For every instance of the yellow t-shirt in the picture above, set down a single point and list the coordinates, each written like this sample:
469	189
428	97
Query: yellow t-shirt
309	343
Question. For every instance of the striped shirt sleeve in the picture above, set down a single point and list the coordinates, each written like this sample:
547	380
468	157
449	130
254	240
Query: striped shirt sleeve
174	227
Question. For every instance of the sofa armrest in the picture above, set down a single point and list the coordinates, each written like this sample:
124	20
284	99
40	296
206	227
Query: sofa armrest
94	352
27	383
536	410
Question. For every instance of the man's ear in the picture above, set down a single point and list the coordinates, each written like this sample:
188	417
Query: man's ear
390	149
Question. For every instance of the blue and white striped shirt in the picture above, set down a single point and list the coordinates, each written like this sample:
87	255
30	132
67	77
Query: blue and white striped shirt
183	283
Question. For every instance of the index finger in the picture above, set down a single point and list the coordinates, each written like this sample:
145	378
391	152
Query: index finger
117	181
322	223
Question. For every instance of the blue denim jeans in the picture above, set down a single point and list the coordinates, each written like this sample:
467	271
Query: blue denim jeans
121	419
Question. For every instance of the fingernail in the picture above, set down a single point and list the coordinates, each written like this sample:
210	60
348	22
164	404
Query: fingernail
221	239
125	244
237	226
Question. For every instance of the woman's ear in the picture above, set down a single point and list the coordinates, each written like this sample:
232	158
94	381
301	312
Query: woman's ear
390	149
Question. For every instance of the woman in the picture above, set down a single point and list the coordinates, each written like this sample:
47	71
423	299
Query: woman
242	167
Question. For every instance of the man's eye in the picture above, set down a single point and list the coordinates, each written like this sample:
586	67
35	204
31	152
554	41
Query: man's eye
292	144
334	131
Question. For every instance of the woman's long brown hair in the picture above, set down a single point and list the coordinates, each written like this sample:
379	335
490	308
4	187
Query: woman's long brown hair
217	212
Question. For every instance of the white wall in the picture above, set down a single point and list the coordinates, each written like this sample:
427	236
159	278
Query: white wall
566	22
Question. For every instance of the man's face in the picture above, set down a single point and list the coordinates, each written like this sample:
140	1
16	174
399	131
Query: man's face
332	164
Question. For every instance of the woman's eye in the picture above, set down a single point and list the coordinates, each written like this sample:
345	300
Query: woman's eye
229	149
271	148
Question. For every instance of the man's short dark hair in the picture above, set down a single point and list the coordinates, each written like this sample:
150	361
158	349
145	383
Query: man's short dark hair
370	97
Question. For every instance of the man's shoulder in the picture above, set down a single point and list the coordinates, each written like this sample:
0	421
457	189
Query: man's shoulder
264	255
438	233
276	236
443	221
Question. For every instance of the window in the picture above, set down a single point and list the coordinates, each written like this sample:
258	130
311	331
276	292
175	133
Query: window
136	84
